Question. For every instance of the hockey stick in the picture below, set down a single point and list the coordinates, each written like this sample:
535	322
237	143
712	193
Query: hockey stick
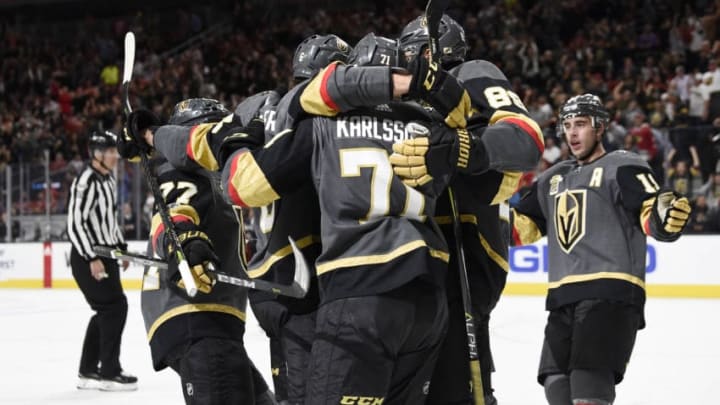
187	278
477	388
298	288
434	11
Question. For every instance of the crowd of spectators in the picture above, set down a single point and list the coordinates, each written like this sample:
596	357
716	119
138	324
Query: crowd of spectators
654	62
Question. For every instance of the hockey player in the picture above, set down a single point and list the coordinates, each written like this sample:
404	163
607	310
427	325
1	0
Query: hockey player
596	211
293	216
505	141
200	338
290	322
365	237
374	50
382	312
359	278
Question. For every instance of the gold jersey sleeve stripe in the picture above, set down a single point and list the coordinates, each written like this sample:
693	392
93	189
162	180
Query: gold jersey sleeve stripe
645	213
507	188
523	121
380	258
198	148
456	117
525	231
315	99
248	185
191	308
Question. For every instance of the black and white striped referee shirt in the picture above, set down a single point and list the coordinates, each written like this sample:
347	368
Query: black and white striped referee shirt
92	213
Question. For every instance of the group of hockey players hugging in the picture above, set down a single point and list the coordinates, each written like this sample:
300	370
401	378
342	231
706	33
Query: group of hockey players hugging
367	163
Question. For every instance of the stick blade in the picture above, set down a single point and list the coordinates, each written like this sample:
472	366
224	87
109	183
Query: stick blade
129	57
302	270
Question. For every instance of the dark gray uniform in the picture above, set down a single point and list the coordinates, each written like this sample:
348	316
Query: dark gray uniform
383	262
513	143
325	94
288	322
596	217
201	338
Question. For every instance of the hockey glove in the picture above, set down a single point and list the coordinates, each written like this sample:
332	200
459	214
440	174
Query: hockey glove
431	83
435	153
271	315
200	257
672	211
137	122
127	147
226	138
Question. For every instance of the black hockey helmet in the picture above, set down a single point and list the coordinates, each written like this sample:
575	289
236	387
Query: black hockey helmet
317	51
101	140
451	42
194	111
585	105
374	50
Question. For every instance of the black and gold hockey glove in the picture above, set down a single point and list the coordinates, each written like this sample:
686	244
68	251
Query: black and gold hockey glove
431	83
132	142
671	211
127	147
201	258
434	153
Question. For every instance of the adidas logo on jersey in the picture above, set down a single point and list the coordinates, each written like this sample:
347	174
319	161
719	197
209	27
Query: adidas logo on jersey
363	126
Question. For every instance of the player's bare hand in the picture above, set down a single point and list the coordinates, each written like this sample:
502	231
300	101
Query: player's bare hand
97	269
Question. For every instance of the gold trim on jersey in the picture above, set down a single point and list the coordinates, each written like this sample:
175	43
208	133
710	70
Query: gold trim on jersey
645	213
190	308
277	136
380	258
200	148
280	254
509	184
579	278
464	218
495	256
525	228
456	117
312	100
500	115
185	210
249	182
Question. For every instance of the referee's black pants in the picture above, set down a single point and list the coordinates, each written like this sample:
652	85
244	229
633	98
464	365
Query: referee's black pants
104	331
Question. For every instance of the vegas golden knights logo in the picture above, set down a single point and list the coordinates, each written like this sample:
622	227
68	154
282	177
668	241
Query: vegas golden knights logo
570	213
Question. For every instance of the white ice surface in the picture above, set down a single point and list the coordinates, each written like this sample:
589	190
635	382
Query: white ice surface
675	362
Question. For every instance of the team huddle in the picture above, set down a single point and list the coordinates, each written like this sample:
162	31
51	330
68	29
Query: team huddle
391	173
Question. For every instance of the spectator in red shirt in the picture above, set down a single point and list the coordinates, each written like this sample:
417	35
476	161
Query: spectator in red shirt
643	138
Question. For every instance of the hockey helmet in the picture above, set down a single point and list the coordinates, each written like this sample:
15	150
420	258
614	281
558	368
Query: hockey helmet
585	105
317	51
451	42
374	50
194	111
101	140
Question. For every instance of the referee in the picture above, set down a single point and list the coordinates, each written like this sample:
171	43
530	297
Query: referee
93	221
